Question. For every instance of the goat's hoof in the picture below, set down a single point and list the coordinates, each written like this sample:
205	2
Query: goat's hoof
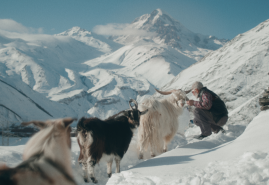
94	180
164	150
153	155
109	175
140	156
86	180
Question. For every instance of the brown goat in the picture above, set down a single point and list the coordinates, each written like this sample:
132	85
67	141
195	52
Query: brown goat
46	157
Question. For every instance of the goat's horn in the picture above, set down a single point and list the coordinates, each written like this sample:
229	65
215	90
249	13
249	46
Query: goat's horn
135	103
32	122
68	121
187	92
39	124
164	92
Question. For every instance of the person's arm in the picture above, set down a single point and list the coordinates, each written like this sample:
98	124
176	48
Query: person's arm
206	102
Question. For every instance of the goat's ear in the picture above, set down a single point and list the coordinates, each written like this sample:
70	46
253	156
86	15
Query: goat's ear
39	124
68	121
126	113
143	112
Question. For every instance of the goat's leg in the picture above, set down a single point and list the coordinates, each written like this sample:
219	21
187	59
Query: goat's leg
85	173
109	168
152	151
117	160
91	164
167	140
152	154
141	153
165	146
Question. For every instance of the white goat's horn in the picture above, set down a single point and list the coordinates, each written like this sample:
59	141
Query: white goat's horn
164	92
39	124
32	122
187	92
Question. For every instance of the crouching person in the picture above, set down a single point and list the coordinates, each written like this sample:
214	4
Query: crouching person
210	113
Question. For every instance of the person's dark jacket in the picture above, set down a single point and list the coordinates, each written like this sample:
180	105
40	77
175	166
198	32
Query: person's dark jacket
218	108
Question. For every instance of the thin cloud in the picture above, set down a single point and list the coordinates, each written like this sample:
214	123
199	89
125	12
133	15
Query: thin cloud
120	29
13	26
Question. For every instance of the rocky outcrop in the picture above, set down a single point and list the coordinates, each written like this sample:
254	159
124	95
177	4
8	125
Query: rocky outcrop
264	101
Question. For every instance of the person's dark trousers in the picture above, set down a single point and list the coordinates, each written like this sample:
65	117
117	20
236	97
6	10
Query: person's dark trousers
203	118
217	127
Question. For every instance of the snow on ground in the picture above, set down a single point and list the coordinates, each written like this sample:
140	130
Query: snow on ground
218	159
244	160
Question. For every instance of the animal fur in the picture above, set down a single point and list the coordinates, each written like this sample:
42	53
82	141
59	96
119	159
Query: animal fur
105	139
160	124
46	157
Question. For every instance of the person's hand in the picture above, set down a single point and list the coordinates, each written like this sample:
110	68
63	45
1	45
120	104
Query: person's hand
190	102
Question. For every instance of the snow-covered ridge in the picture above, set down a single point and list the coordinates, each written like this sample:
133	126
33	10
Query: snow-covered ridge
99	42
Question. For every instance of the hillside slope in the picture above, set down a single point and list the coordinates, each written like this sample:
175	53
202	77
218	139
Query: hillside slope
237	72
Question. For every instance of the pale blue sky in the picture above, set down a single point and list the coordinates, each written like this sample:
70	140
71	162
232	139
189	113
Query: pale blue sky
223	19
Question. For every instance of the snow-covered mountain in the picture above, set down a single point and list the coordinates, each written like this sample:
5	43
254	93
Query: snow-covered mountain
166	30
99	42
53	66
160	55
88	73
49	65
19	103
156	63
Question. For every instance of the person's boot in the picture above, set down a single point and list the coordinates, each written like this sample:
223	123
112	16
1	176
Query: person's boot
200	137
222	131
217	131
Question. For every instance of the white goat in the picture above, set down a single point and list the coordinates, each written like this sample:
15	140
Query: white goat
46	157
159	126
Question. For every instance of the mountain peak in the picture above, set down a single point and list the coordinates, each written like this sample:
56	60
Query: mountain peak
156	18
169	31
76	28
158	12
75	31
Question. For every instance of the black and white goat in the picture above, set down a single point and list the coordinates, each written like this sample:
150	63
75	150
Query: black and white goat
160	124
108	139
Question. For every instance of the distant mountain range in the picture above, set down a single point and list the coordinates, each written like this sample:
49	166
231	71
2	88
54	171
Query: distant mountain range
80	73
